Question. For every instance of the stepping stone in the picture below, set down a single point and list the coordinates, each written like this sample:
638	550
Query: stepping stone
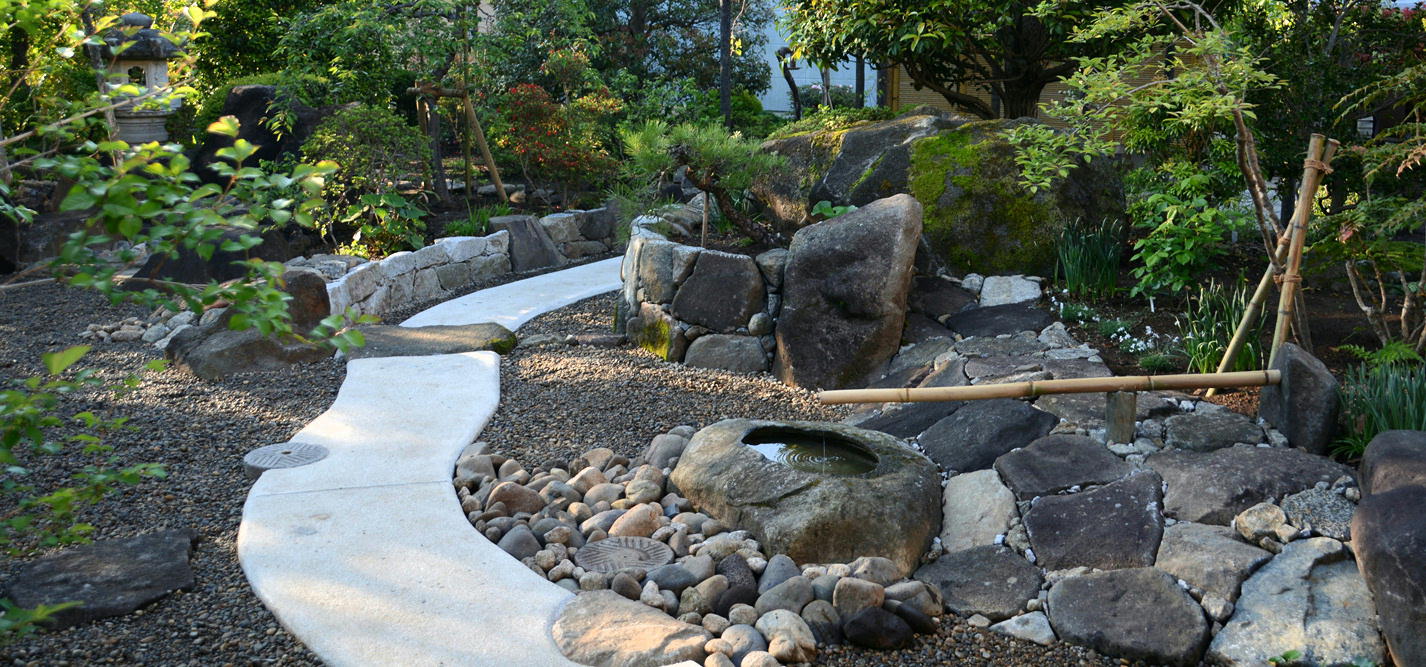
996	320
935	298
1000	290
1213	487
975	508
1139	614
1063	369
920	354
108	577
1310	598
1055	463
1207	431
952	374
392	341
991	581
908	420
1023	344
972	437
1211	558
1114	526
605	628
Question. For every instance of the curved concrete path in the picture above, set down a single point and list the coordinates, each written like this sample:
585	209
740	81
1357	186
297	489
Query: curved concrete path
365	556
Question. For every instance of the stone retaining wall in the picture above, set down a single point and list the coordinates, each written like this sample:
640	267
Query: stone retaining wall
438	270
704	308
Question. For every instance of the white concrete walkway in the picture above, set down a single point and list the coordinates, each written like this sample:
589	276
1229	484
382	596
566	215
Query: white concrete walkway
365	556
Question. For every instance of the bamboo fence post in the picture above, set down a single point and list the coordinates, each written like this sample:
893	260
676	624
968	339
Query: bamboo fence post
1315	167
1279	257
1045	387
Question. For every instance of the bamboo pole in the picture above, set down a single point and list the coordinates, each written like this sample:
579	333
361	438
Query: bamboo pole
1314	168
1044	387
1278	258
484	149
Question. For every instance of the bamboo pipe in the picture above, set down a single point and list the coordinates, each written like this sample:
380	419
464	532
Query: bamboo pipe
1044	387
1255	305
1314	169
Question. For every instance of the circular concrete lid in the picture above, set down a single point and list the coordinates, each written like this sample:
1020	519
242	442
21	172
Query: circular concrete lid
281	455
616	553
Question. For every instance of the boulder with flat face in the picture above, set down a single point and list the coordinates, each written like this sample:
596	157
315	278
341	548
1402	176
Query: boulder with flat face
1055	463
972	437
992	581
531	247
605	628
892	510
384	340
1394	459
844	295
1118	525
1389	538
1139	614
1304	405
723	292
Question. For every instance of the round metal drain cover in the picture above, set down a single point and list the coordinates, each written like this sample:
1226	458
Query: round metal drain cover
281	455
616	553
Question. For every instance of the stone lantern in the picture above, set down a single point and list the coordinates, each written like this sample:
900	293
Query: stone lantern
138	54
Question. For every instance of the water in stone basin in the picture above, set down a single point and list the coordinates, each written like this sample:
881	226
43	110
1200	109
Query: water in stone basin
810	451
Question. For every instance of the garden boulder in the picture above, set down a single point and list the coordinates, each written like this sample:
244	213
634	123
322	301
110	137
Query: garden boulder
1304	405
1389	538
893	510
844	295
531	247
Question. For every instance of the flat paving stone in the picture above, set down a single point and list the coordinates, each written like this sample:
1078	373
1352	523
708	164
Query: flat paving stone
393	341
1059	462
1115	526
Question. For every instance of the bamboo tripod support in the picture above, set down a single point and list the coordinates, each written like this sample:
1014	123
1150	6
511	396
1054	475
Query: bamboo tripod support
1045	387
1319	160
474	123
1314	168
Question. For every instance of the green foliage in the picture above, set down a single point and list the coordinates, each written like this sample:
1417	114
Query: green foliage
1089	257
824	210
236	46
1185	228
1003	48
1380	398
1110	327
1160	361
832	120
1208	328
385	223
1077	312
843	97
16	622
477	223
747	113
718	163
560	141
1395	352
375	151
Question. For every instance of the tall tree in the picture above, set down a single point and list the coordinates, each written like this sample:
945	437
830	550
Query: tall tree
999	47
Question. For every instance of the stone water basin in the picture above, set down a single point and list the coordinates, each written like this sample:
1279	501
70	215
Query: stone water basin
819	492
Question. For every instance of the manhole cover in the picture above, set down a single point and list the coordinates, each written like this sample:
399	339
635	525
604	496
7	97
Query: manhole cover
281	455
616	553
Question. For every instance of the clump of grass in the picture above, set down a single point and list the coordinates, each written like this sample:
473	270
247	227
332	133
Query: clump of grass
1077	313
1208	328
1160	361
478	222
1380	398
1108	328
1089	258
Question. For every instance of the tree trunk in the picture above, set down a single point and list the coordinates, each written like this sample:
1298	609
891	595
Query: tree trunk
1021	98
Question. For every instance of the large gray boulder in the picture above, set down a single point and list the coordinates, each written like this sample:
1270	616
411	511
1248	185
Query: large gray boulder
1304	405
1213	487
739	354
1139	614
857	166
1115	526
1389	538
844	294
661	266
108	578
1394	459
1311	599
604	628
216	353
891	511
972	437
723	292
531	247
988	580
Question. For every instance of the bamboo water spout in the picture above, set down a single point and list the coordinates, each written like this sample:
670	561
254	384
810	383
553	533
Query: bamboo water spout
1045	387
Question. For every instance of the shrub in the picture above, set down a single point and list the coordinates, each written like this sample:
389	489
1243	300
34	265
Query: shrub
1089	257
746	110
843	97
374	150
478	222
1380	398
385	223
558	145
832	120
1208	328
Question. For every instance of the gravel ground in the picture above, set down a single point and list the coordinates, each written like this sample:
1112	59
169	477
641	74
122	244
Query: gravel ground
199	431
557	402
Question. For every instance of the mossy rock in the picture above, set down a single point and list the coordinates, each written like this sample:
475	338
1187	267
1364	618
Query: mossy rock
855	165
978	217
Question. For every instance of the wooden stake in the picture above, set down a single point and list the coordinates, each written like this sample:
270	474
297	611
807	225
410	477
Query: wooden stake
705	221
1314	168
1045	387
484	149
1119	409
